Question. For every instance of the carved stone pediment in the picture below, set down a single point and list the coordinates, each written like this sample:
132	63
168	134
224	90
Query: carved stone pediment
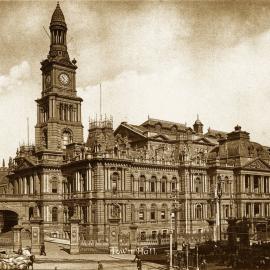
22	163
257	164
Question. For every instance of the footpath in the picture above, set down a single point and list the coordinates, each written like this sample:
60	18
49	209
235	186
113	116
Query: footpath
57	257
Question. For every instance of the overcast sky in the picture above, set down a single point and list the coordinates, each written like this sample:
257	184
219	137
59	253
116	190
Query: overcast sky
170	60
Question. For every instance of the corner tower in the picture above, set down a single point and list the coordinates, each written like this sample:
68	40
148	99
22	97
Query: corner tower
59	108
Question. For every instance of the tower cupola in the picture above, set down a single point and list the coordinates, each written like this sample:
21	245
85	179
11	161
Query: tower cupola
198	126
58	29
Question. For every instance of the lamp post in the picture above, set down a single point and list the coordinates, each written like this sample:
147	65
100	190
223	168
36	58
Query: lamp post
219	194
175	210
197	257
171	240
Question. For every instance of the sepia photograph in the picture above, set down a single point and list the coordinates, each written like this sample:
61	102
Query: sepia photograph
134	135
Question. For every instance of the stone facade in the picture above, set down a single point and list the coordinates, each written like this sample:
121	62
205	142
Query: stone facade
138	174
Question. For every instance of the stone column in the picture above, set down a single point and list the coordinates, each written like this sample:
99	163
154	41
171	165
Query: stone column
17	239
74	235
37	237
24	185
133	237
31	184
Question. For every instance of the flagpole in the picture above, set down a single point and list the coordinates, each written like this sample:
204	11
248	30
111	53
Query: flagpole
100	100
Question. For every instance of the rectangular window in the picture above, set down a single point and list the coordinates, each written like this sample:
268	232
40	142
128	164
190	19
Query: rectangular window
256	209
152	186
256	184
54	187
266	182
173	186
247	209
141	215
153	215
154	234
163	187
246	181
141	187
143	235
164	233
162	214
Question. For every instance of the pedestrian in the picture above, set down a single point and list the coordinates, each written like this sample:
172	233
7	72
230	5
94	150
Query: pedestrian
204	265
100	266
136	256
139	264
42	249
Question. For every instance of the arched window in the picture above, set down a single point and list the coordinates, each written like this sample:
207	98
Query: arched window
142	212
54	186
163	212
153	211
174	184
198	185
226	211
45	138
132	182
115	151
66	138
114	181
153	184
31	212
163	183
54	214
198	211
226	187
142	183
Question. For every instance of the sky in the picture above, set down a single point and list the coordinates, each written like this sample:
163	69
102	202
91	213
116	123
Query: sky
169	60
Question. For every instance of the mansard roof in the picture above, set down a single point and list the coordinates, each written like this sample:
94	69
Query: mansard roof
237	149
164	124
216	133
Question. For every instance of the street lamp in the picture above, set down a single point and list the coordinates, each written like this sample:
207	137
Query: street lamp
174	197
197	257
219	194
171	240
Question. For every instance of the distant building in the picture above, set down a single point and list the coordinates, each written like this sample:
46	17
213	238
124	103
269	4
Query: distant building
135	173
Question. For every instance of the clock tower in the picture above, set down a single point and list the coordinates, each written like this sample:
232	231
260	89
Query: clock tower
59	108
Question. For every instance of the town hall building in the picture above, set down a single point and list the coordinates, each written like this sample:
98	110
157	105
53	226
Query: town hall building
143	175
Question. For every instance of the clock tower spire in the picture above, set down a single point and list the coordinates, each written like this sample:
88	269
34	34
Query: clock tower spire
59	108
58	29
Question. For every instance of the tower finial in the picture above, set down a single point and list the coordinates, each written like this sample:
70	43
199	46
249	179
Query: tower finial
198	116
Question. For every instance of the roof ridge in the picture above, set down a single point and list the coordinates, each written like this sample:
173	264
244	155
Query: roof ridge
166	121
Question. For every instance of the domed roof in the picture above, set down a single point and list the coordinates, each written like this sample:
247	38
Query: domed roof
58	17
198	121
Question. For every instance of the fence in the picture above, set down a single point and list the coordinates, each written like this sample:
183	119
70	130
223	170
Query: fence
94	244
6	244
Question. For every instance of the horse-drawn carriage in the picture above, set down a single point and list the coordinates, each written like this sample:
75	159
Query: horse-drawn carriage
17	261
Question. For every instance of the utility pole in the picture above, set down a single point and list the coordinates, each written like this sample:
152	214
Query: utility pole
28	131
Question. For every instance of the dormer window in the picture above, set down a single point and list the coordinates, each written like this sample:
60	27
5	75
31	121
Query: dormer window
158	127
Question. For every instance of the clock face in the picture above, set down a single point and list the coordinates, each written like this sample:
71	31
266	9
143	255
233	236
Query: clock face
64	79
48	80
